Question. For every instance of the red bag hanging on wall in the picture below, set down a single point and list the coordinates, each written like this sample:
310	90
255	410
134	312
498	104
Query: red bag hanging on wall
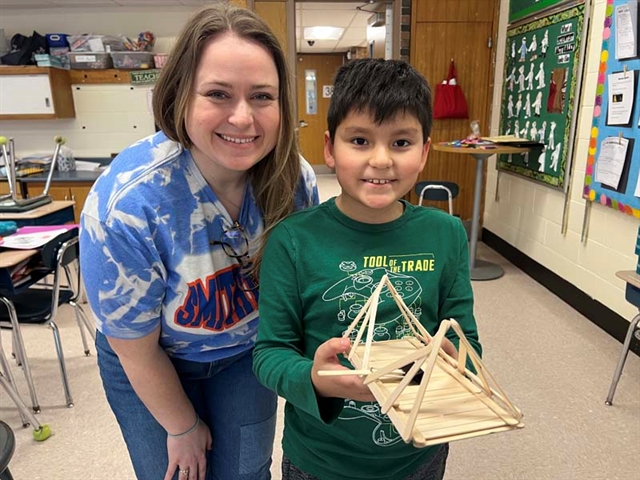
449	99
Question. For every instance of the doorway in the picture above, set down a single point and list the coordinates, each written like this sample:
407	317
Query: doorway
317	59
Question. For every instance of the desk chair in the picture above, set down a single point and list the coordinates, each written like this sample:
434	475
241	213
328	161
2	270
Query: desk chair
40	301
437	191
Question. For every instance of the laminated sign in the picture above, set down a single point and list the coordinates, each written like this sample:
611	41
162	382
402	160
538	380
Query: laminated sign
144	77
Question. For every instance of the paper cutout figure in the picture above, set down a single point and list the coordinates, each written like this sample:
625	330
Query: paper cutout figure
516	128
540	76
533	48
555	156
537	105
519	105
510	106
508	131
511	79
533	133
543	131
529	78
523	49
525	130
521	79
544	44
541	160
552	130
527	105
513	49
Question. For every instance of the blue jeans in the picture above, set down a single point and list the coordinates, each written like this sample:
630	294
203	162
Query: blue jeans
239	411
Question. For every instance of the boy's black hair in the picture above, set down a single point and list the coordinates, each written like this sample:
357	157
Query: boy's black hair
382	88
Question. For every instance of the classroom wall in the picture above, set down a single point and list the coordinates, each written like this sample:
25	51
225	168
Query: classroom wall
529	216
108	117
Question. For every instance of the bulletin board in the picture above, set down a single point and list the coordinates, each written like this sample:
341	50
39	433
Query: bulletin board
538	97
624	198
523	8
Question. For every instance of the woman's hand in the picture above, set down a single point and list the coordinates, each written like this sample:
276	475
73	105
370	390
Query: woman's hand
188	453
348	386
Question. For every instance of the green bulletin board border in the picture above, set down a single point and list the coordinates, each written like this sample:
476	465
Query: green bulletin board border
551	19
515	15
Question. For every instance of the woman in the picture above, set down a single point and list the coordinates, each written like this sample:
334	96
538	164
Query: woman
168	233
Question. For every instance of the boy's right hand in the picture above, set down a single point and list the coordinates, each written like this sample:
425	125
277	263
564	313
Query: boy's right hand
348	386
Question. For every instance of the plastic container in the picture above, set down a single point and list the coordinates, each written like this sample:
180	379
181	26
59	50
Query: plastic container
90	60
132	60
46	60
159	59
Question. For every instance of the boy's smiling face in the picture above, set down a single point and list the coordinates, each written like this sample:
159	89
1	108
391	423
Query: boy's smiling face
376	165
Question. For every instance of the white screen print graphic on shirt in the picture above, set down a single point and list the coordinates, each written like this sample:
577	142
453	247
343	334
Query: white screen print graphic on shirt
350	295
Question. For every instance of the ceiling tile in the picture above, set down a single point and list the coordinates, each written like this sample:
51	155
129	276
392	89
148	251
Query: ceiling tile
328	5
313	18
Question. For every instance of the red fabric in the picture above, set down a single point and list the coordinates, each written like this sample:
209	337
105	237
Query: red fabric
449	99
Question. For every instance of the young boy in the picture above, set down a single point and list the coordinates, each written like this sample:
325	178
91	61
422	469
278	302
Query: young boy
321	265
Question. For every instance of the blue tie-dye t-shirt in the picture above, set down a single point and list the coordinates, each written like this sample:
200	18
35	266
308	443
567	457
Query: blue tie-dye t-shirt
148	259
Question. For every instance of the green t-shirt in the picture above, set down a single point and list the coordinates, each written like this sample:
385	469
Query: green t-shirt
318	270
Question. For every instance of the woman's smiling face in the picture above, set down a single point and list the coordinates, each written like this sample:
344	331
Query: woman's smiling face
233	117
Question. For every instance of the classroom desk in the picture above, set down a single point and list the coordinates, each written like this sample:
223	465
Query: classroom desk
54	213
632	294
479	269
8	259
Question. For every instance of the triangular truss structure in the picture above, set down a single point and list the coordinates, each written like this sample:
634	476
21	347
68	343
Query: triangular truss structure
430	397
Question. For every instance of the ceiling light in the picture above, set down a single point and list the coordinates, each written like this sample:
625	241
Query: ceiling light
323	33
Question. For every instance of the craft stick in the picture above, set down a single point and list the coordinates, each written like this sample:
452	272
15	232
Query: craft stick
461	436
399	363
363	328
477	361
373	310
462	357
430	363
340	373
507	417
355	322
384	408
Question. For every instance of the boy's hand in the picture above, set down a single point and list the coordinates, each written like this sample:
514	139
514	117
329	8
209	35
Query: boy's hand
348	386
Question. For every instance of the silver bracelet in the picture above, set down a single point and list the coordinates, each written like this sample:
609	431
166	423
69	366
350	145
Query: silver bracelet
188	431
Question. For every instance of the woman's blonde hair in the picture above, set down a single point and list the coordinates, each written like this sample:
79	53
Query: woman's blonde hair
276	177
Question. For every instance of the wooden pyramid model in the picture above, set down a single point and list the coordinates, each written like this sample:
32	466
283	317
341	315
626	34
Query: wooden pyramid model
430	397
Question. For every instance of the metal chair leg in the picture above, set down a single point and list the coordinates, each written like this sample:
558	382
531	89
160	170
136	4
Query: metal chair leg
76	308
622	359
63	367
8	382
21	352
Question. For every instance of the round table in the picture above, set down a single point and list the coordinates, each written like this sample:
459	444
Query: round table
479	269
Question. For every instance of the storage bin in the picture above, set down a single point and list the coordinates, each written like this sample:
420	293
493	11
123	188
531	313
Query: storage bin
90	60
132	60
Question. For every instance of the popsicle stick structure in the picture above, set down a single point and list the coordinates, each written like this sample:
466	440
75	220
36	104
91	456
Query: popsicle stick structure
430	397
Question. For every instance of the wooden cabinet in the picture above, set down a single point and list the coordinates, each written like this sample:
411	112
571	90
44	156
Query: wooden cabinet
35	93
4	189
76	191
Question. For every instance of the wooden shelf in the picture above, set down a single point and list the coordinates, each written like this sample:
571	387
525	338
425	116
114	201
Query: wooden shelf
98	76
